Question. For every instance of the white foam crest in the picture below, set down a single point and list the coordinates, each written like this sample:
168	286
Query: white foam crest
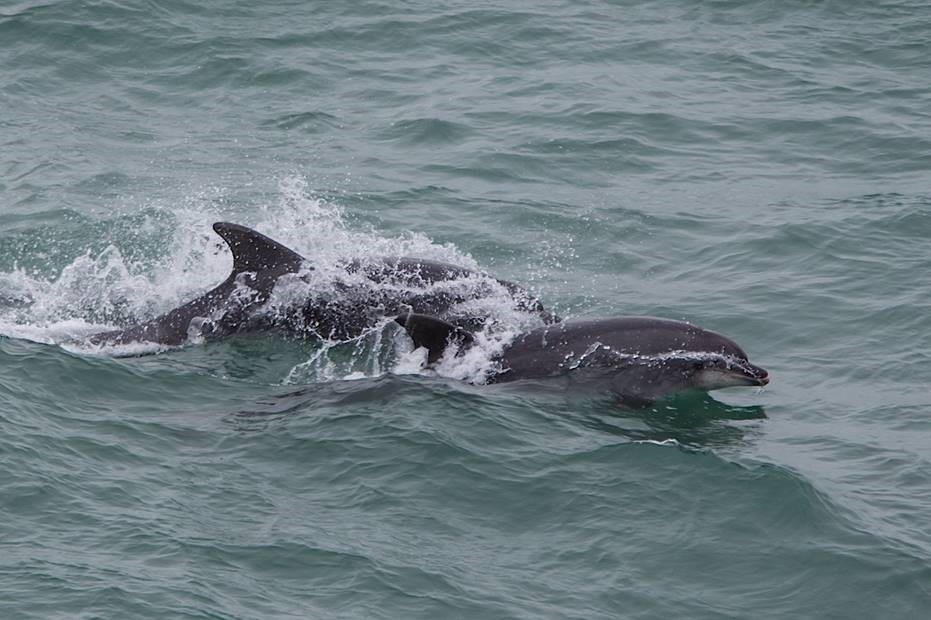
381	350
665	442
85	294
98	292
318	229
105	290
387	349
503	323
54	333
477	363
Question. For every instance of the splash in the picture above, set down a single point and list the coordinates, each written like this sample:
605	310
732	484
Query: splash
384	349
113	287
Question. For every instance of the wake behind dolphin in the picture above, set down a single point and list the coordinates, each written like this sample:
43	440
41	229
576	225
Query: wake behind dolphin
371	290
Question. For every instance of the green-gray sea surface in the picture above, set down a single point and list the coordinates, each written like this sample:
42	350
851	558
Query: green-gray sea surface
762	169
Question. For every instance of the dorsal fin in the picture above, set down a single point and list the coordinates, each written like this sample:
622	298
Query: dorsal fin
253	251
434	334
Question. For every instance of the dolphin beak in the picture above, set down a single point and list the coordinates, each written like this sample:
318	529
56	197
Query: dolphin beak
757	374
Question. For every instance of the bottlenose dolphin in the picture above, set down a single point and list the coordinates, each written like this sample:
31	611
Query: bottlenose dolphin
346	311
640	358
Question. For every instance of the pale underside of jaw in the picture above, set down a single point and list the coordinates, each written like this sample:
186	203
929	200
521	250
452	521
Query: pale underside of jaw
714	379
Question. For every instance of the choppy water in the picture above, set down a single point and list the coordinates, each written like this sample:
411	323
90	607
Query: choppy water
759	168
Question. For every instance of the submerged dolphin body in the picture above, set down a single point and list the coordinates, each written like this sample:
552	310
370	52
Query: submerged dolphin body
640	358
239	302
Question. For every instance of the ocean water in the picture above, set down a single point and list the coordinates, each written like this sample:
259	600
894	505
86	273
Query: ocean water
762	169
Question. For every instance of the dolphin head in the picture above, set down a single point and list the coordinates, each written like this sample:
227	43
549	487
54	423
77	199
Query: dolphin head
724	364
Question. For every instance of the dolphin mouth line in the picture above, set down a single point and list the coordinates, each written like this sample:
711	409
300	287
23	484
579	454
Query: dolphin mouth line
759	376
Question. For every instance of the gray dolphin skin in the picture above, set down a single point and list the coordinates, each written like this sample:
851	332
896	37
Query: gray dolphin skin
237	304
641	359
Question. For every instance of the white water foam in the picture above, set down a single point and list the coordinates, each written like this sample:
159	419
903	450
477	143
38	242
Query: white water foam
105	291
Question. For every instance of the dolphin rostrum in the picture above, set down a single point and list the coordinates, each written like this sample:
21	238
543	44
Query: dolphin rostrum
640	359
239	302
